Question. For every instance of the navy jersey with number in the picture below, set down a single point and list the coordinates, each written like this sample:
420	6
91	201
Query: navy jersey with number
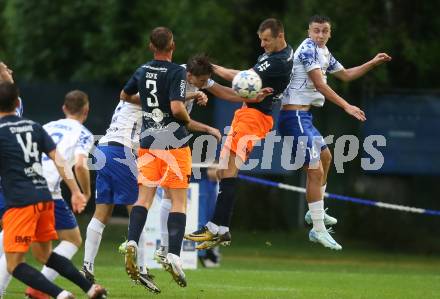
22	142
159	82
274	69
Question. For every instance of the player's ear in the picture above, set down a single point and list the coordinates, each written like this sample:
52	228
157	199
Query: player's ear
173	46
151	47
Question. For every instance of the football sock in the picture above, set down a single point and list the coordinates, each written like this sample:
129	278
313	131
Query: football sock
176	230
223	230
225	202
66	249
92	243
141	254
165	208
212	227
317	213
33	278
5	277
66	269
138	217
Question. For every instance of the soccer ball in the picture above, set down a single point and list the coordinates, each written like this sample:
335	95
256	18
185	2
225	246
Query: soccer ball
247	84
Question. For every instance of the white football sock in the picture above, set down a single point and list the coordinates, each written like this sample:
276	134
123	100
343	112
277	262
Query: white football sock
64	294
213	228
222	230
93	240
317	213
66	249
165	208
141	253
1	243
5	277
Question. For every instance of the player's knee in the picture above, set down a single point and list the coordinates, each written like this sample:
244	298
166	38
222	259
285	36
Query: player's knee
41	256
315	174
77	241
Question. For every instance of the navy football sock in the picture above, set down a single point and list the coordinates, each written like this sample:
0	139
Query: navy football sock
33	278
225	202
138	216
176	230
66	269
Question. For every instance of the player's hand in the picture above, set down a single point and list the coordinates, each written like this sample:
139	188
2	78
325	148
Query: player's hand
216	133
263	93
381	58
356	112
201	98
79	202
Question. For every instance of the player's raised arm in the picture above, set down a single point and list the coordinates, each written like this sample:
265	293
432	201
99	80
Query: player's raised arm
225	73
358	71
78	200
228	94
316	76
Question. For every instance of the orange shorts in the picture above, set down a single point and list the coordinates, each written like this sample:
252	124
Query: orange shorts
166	168
24	225
248	126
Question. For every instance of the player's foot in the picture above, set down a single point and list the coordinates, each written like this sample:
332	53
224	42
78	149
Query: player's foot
130	261
97	292
324	238
87	274
328	220
146	280
224	240
121	248
160	255
31	293
201	235
173	265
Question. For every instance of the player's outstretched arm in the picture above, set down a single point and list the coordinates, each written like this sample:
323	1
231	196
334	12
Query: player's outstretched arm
358	71
179	111
225	73
78	199
228	94
316	76
134	99
196	126
83	175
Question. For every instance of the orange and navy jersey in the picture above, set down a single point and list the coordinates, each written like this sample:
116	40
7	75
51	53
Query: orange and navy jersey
22	143
274	70
158	83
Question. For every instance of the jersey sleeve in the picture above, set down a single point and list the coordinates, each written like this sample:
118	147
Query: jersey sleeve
178	85
131	87
334	65
46	143
308	56
85	143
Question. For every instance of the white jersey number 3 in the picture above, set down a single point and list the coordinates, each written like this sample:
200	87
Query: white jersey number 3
30	149
151	86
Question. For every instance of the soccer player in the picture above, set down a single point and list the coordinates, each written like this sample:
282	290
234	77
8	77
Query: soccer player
5	277
164	155
74	142
251	122
308	87
29	218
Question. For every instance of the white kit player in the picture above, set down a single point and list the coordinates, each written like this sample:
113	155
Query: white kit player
308	87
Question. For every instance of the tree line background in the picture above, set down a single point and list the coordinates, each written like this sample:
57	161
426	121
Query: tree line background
52	45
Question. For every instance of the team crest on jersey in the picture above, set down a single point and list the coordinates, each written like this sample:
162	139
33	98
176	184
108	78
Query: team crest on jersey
157	115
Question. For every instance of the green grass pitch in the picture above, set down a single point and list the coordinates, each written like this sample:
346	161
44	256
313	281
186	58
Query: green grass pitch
278	265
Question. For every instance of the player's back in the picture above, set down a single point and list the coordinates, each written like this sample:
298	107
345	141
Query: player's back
71	138
125	125
274	69
22	143
158	83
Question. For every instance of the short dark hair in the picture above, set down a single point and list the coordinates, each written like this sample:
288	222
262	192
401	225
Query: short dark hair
8	96
275	26
320	19
75	101
199	65
161	38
